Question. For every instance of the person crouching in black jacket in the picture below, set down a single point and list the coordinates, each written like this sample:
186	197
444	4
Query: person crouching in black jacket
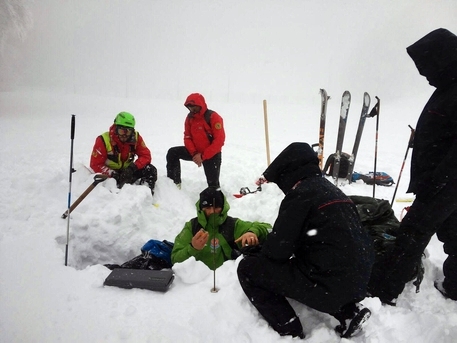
317	252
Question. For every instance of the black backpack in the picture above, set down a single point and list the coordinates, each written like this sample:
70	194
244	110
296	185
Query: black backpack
344	165
155	255
379	220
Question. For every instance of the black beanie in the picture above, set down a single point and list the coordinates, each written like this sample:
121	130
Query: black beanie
210	195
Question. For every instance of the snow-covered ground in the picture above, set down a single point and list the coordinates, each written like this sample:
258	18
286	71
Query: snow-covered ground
42	300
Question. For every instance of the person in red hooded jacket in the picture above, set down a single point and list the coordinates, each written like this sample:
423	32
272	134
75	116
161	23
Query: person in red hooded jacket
114	154
204	137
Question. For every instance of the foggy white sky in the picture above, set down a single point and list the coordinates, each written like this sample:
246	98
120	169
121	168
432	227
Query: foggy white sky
227	50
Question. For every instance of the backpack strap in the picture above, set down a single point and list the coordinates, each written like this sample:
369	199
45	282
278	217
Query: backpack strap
227	229
329	163
207	116
113	150
194	224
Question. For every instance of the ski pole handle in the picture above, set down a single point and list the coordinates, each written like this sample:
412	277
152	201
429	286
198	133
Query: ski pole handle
72	134
411	138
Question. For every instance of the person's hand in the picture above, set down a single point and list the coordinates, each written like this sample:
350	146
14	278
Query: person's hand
261	180
200	239
197	158
249	238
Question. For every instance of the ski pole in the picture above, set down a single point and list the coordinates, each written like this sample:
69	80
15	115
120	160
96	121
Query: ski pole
213	247
410	145
97	179
72	137
375	112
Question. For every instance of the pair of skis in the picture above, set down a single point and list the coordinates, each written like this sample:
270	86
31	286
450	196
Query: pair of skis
344	112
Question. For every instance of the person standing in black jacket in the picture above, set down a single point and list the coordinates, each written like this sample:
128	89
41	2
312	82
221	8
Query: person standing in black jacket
317	253
433	173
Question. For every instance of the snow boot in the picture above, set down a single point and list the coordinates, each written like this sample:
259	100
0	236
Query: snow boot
439	286
351	317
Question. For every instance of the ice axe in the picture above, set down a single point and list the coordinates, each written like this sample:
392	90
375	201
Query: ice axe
97	179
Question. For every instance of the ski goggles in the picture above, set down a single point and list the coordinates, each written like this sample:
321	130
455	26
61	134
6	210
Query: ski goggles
124	131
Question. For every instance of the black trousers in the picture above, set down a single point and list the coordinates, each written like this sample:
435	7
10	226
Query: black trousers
212	166
268	284
424	218
146	175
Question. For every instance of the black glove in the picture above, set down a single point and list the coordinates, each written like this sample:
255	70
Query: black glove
251	250
115	174
127	175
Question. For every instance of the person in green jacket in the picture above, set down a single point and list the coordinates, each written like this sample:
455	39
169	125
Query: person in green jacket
213	237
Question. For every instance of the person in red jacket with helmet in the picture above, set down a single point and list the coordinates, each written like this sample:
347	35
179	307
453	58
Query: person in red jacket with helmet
115	151
204	137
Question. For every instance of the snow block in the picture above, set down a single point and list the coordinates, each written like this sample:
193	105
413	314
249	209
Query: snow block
154	280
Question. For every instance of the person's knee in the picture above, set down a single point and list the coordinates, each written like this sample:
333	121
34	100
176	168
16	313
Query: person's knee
248	265
172	153
150	171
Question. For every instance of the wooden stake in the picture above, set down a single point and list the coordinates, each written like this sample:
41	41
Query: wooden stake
267	140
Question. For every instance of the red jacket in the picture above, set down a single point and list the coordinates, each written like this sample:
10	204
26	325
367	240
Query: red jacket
104	160
196	128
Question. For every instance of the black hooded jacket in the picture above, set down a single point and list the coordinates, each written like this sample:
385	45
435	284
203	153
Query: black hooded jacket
434	157
318	230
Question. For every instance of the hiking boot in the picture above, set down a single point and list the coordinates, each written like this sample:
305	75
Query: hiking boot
388	301
292	328
178	186
350	327
439	286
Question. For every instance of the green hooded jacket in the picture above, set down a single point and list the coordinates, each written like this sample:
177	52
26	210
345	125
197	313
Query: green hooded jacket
183	248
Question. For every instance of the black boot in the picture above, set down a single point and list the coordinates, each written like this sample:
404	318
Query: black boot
351	317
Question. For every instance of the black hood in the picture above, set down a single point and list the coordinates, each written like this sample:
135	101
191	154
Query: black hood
296	162
435	56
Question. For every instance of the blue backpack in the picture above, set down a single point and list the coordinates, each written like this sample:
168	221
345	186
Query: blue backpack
155	255
159	252
382	179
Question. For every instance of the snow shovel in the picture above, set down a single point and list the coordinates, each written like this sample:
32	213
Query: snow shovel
97	179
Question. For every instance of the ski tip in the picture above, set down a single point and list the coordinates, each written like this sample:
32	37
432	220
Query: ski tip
155	205
237	195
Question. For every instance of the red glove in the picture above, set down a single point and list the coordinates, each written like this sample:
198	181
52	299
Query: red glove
261	181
